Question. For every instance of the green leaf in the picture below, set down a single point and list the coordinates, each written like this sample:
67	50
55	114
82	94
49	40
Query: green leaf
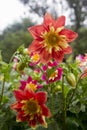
75	107
51	126
71	124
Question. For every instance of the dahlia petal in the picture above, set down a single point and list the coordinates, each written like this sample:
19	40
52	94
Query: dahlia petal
44	77
20	95
32	123
60	70
48	21
16	106
39	86
85	71
31	64
60	22
41	97
70	35
42	121
52	64
55	63
36	31
67	50
29	79
59	75
20	117
34	81
35	46
23	84
45	56
58	55
29	94
84	75
44	67
45	111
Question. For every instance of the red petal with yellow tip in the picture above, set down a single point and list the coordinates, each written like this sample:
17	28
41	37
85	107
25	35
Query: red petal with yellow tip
70	35
41	97
16	106
45	111
20	117
32	123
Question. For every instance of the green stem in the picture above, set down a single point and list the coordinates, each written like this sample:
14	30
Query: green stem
12	57
64	105
52	100
2	91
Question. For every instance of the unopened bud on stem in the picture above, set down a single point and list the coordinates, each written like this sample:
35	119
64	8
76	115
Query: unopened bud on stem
70	77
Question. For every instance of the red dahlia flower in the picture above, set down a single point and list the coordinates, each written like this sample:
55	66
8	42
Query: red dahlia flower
30	84
51	39
54	76
52	72
31	107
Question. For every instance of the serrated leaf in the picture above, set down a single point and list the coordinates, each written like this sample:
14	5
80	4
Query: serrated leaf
75	107
71	124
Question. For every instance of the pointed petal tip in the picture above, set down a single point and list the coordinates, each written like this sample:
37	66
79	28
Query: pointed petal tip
41	97
47	13
30	29
62	17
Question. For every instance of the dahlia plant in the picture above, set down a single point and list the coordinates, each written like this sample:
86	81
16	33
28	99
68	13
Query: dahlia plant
46	88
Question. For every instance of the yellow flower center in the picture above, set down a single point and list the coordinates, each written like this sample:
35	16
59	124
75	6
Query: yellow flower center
35	58
31	86
31	107
52	39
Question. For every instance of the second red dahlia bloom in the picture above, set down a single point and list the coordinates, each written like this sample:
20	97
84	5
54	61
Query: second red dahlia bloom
51	39
31	107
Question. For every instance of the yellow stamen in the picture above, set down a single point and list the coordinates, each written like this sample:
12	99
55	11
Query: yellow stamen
35	58
53	75
31	107
31	86
53	39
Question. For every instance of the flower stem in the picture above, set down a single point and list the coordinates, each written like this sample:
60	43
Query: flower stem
64	105
2	91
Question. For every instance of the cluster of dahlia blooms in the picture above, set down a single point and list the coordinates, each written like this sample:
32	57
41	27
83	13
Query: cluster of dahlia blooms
51	42
82	60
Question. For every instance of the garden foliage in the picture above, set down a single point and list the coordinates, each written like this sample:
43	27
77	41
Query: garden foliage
38	89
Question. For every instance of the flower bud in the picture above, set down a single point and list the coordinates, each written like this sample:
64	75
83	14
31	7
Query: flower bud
57	88
20	66
25	51
70	77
